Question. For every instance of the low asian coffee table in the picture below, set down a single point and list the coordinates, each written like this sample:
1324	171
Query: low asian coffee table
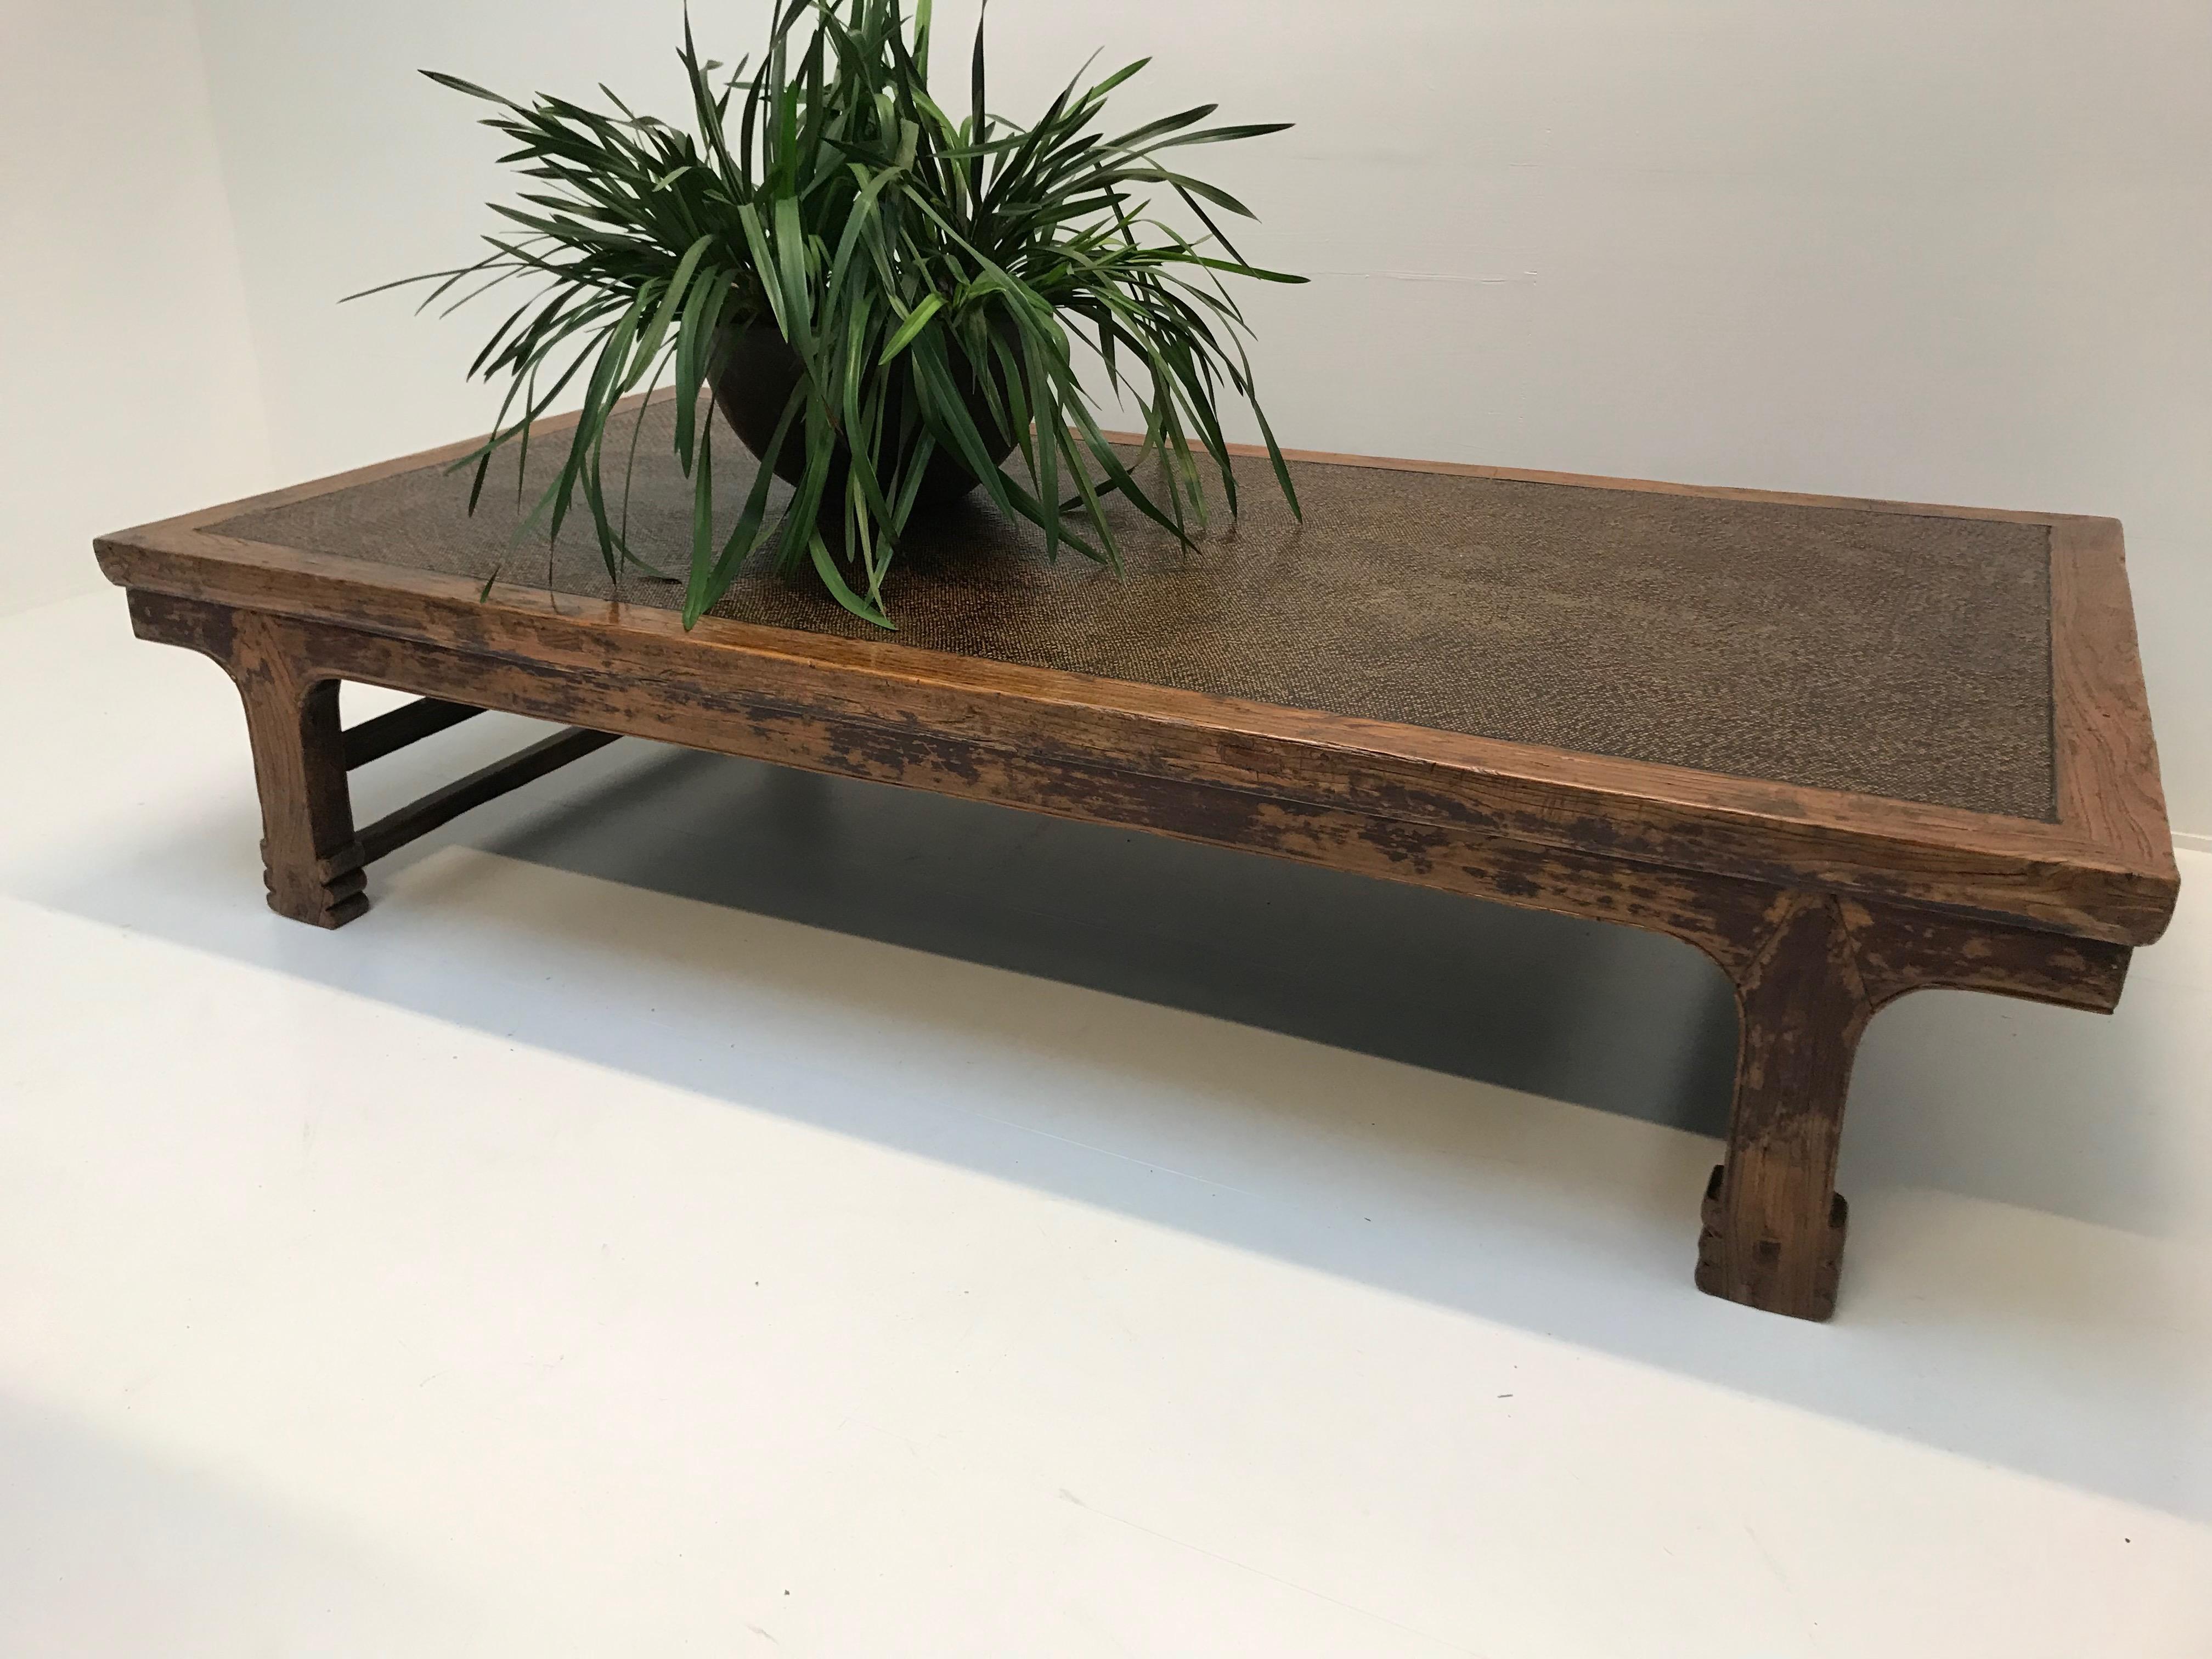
1847	749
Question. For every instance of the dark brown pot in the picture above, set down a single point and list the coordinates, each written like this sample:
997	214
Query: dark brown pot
757	371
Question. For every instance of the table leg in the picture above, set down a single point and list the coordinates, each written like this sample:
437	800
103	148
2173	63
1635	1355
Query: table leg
311	858
1774	1223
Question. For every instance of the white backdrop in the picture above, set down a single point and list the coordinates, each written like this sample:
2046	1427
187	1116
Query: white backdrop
1934	249
128	389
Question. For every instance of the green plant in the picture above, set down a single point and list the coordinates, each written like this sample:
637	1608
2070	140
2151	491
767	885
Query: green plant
914	263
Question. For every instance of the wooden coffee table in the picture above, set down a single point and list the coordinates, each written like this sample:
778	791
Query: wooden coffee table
1847	749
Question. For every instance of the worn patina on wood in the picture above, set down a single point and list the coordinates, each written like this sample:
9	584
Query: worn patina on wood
1847	749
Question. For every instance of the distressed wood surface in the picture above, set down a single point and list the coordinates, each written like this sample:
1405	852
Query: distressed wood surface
312	861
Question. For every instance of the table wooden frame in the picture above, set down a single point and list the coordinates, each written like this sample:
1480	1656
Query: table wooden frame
1820	906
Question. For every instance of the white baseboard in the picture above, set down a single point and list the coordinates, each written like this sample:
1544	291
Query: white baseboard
2192	843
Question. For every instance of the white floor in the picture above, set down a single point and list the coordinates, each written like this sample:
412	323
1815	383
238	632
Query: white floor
706	1210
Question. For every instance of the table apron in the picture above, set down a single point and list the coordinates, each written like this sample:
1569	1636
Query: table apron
1727	917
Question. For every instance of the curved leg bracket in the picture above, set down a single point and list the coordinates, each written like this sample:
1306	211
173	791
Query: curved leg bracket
312	861
312	856
1806	986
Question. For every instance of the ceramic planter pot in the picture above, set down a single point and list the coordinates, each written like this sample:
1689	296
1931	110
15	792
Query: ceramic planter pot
756	370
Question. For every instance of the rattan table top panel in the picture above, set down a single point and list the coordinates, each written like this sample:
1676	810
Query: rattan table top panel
1886	653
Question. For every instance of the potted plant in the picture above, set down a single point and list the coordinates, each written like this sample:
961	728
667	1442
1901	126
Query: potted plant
888	303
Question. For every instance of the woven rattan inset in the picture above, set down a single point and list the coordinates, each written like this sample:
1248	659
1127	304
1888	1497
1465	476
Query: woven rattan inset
1885	654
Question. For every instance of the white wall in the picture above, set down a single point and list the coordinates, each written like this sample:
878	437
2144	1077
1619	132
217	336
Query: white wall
131	391
1940	249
